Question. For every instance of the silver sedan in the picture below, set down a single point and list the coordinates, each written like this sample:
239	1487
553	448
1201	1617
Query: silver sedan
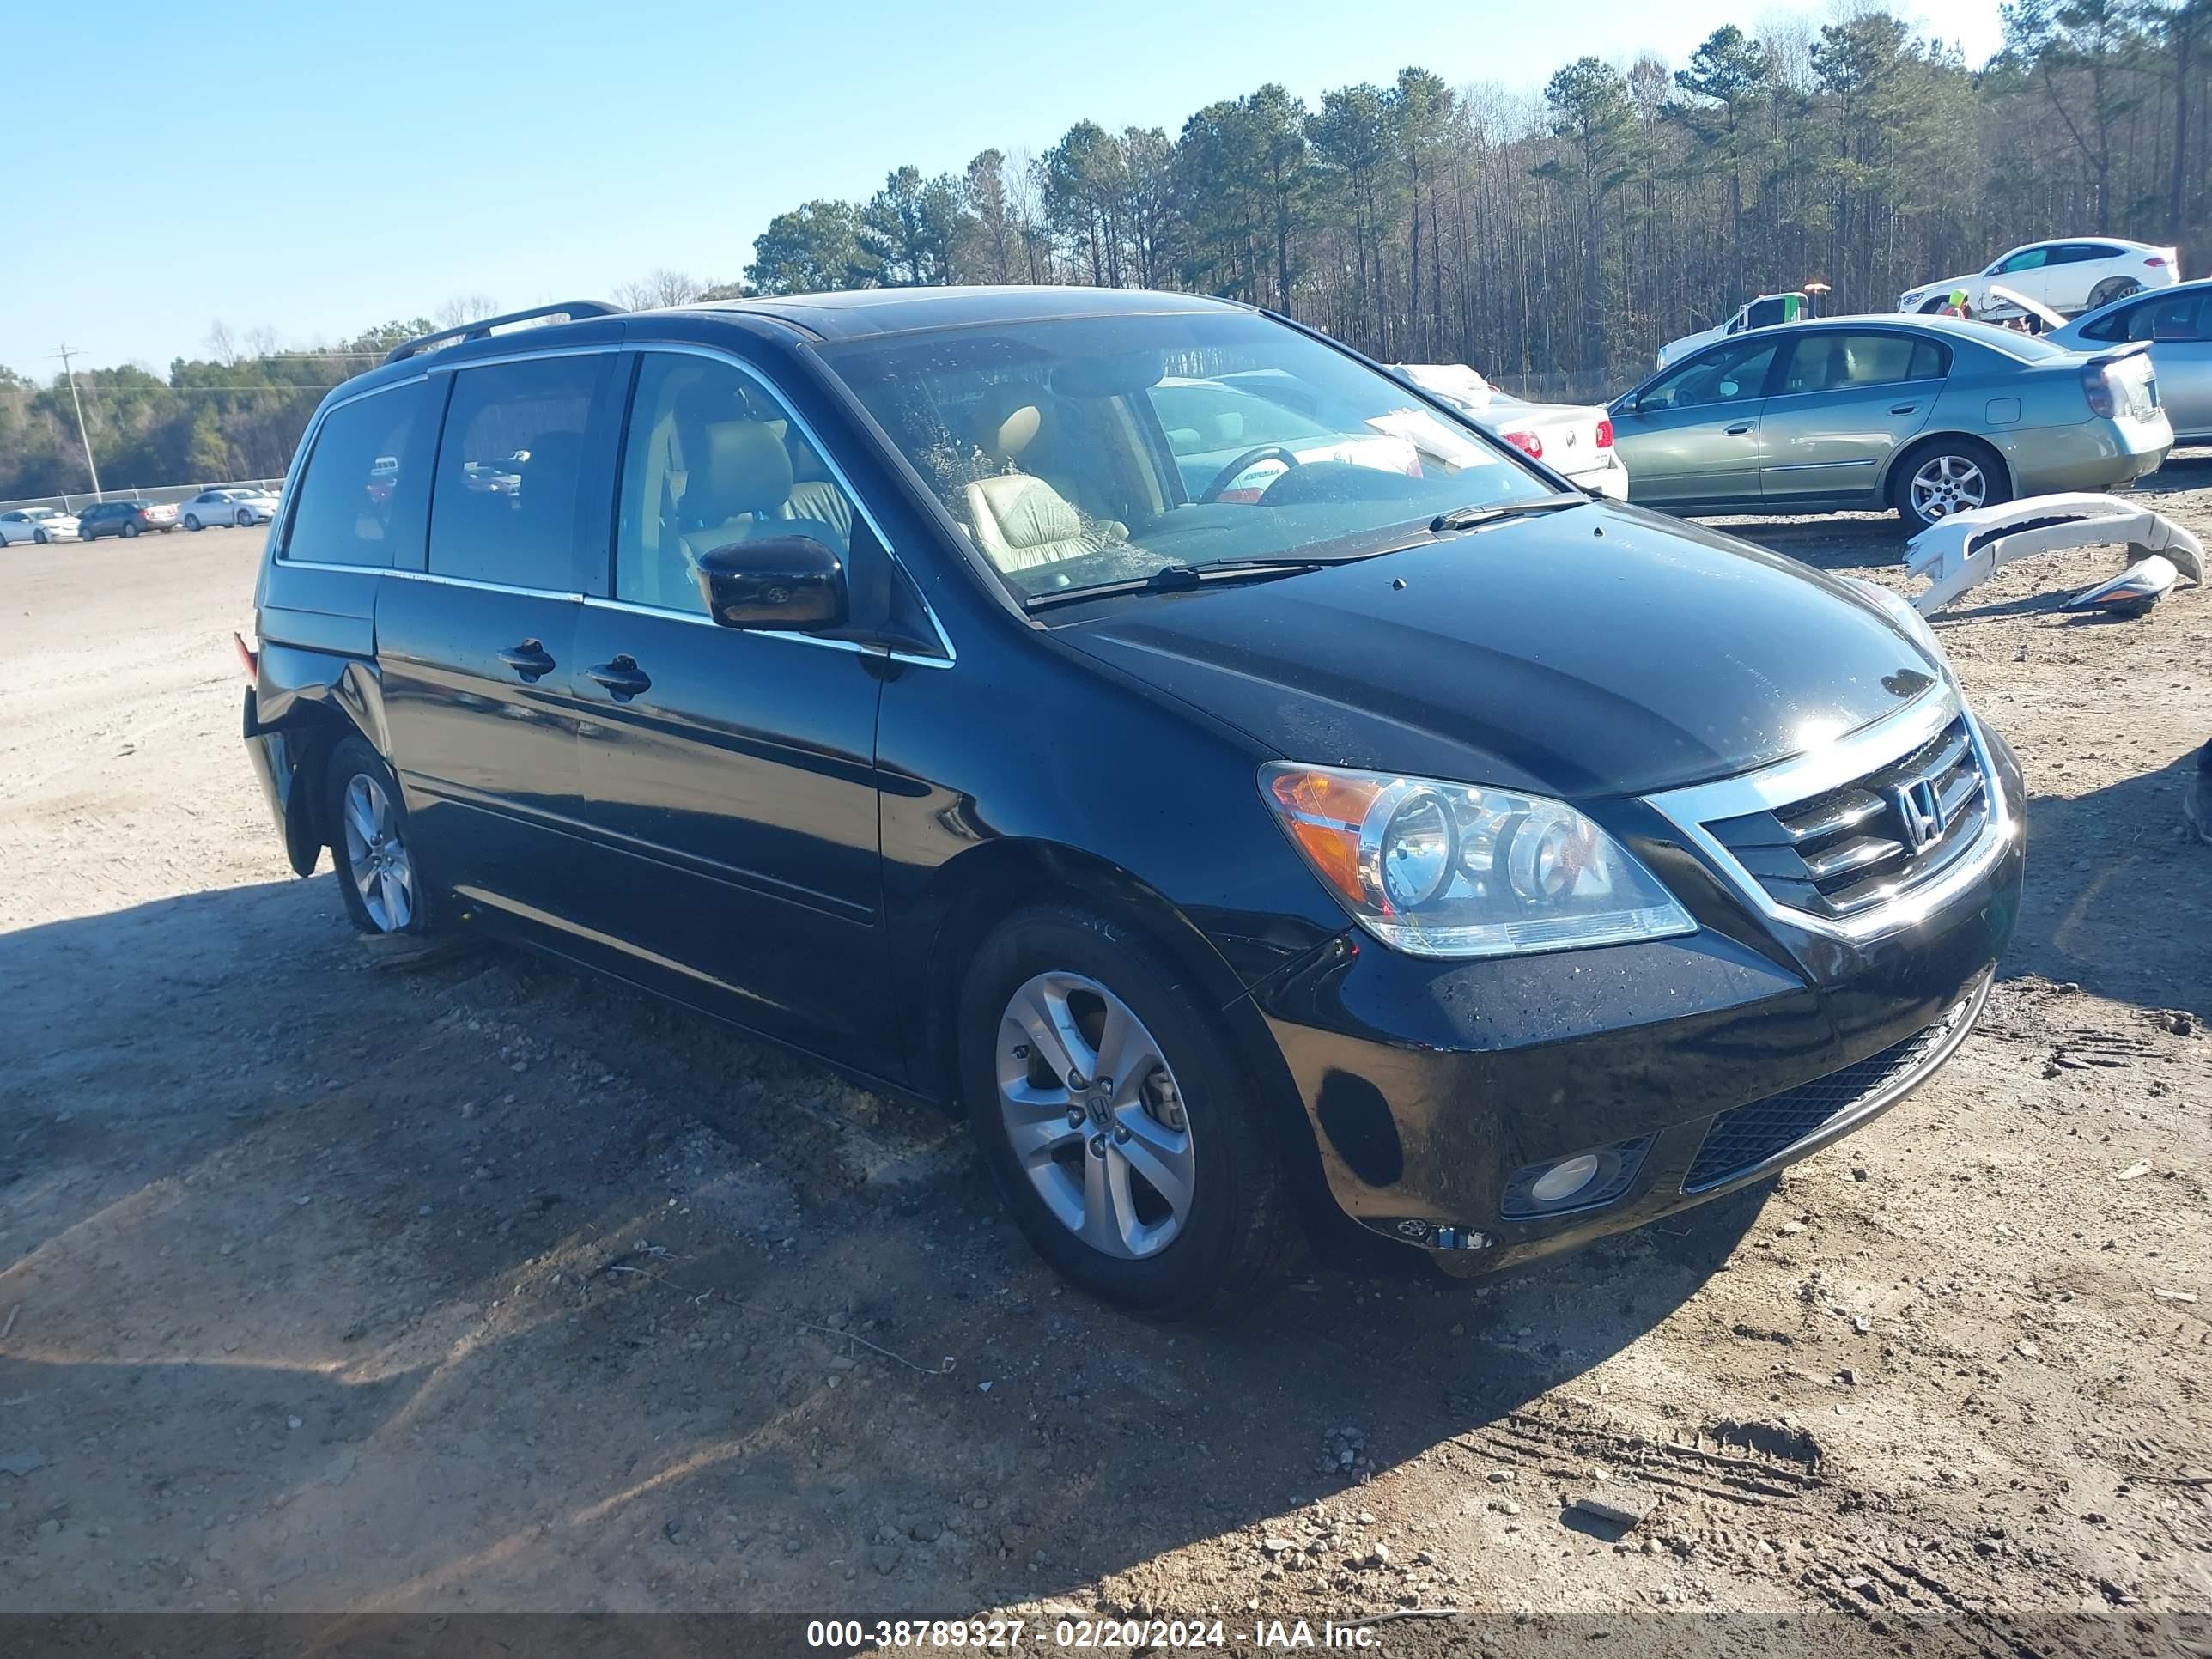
2177	323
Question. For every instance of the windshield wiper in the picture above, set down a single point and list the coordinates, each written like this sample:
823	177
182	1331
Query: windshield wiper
1473	518
1180	578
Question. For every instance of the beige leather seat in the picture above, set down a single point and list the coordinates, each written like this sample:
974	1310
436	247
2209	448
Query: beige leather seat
1021	521
740	476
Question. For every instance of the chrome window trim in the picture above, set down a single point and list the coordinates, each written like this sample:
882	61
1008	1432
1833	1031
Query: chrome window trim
480	585
1847	759
843	482
861	648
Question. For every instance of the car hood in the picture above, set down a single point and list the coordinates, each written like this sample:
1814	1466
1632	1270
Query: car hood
1539	654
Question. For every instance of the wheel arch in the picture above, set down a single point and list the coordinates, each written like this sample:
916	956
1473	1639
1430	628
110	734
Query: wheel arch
972	894
312	701
1906	456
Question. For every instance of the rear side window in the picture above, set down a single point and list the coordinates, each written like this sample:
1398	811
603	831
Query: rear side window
1837	362
510	472
358	505
2179	317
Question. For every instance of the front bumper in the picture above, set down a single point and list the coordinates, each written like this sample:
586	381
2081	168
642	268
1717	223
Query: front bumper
1716	1059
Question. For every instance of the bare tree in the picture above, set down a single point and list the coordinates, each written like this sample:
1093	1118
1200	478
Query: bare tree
658	288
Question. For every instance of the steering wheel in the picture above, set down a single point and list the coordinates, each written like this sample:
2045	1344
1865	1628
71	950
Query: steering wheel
1242	464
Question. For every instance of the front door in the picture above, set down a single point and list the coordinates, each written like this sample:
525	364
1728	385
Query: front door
477	649
1691	437
1844	404
729	775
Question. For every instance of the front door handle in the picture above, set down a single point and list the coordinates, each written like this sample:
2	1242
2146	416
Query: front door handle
529	659
623	678
1739	428
1903	408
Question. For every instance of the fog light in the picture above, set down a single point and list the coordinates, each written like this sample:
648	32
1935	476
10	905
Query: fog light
1586	1181
1562	1181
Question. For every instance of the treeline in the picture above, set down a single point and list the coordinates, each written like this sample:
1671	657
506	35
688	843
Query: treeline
1552	240
1563	236
237	413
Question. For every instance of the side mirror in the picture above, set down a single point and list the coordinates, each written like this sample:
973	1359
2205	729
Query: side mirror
791	583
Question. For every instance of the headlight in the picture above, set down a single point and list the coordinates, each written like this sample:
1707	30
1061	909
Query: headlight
1440	869
1901	611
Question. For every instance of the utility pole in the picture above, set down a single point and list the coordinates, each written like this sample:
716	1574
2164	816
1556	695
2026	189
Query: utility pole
84	437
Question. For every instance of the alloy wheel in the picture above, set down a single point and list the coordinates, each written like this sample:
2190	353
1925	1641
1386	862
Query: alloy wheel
1094	1116
376	855
1945	484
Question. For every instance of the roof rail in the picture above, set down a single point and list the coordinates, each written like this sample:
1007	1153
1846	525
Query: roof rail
570	308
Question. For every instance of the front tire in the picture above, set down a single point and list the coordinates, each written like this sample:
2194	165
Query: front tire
1117	1126
129	532
40	537
191	521
381	881
1945	476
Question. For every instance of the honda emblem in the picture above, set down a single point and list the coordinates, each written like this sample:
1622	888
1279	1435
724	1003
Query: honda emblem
1919	809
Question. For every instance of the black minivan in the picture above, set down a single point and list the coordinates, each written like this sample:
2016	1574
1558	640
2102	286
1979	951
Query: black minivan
929	680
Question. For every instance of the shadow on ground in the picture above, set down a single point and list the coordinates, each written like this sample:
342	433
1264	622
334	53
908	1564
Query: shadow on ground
489	1286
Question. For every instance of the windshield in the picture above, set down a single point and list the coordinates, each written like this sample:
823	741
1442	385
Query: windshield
1080	452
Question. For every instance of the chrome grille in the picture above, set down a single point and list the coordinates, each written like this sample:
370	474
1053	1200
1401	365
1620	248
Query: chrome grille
1748	1136
1855	847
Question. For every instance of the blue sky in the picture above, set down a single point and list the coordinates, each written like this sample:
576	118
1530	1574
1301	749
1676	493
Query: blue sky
316	169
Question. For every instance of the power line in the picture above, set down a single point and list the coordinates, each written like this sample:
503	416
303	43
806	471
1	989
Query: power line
83	435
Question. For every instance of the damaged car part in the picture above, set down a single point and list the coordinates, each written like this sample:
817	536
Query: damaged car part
1966	548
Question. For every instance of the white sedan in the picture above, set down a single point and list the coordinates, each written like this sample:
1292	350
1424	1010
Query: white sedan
2067	276
238	506
37	524
1573	439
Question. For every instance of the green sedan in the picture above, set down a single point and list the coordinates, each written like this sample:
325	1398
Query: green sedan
1931	416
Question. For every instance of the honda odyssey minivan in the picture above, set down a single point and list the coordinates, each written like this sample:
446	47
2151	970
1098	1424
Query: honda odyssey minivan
1392	827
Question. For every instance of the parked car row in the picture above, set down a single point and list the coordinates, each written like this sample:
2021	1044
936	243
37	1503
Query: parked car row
241	504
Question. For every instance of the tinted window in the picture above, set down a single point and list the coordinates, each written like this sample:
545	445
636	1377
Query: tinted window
510	466
347	514
2178	317
1731	374
712	458
2029	259
1837	362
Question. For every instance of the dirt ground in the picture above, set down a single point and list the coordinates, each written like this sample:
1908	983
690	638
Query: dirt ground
486	1287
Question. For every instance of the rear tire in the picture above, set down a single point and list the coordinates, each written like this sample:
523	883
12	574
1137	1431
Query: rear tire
2112	289
191	521
378	875
1170	1193
1942	475
129	529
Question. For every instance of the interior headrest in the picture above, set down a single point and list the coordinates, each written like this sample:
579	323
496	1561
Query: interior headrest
743	468
1009	418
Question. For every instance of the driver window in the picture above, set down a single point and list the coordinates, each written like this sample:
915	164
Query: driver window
2027	259
712	458
1721	377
